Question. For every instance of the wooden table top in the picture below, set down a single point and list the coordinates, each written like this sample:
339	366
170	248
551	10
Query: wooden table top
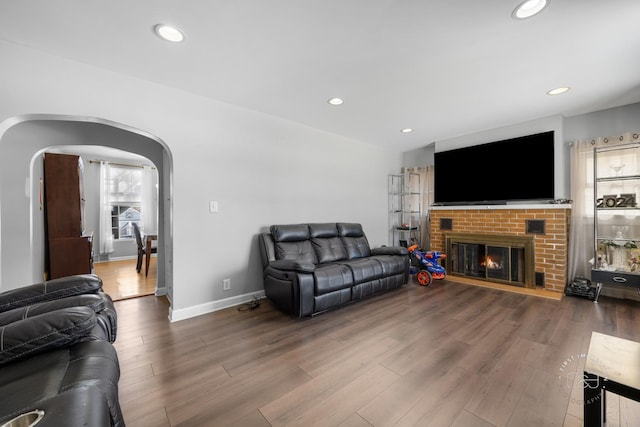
616	359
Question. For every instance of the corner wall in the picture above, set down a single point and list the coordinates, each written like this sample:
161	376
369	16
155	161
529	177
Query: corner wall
261	170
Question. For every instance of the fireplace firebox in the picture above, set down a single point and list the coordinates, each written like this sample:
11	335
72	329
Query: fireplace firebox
502	259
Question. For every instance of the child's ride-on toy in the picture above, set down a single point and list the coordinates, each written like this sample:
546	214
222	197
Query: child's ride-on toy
429	267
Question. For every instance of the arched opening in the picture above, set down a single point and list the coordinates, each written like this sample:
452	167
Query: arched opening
22	140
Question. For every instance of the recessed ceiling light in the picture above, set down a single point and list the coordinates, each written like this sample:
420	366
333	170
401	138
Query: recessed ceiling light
558	90
169	33
335	101
528	8
406	130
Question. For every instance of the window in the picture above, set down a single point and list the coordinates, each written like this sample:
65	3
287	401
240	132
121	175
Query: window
125	196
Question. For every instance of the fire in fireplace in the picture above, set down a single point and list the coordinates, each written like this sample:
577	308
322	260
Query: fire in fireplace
500	259
489	263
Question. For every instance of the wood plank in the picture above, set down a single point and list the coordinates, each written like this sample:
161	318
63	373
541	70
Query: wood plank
121	280
449	354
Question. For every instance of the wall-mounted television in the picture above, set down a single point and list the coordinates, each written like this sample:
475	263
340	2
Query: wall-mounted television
512	170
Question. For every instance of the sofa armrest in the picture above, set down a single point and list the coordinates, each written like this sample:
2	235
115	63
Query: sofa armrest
44	332
291	265
94	301
390	250
50	290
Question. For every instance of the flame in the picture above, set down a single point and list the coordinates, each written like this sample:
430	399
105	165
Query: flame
489	263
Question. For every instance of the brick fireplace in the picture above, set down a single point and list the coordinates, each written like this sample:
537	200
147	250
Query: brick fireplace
544	229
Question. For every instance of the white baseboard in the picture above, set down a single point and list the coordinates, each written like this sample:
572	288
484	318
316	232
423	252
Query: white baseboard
210	307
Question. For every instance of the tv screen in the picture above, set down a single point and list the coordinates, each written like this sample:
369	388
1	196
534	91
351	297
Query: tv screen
516	169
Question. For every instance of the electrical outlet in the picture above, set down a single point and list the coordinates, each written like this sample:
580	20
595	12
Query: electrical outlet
226	284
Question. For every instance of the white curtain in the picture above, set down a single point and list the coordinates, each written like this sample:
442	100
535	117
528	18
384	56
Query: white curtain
149	201
582	236
106	232
426	190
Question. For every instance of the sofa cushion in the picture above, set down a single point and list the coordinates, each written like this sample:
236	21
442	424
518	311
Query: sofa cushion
291	265
326	242
332	277
391	265
52	289
290	232
354	240
329	229
329	249
349	229
44	332
356	247
292	242
94	301
301	252
36	381
364	269
101	303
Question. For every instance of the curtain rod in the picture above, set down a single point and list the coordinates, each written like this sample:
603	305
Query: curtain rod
119	164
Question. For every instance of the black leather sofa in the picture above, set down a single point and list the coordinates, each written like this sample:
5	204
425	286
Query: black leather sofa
57	358
311	268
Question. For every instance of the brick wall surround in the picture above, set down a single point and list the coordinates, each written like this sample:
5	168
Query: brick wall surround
551	247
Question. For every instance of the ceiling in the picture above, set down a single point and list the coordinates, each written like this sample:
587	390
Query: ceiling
442	67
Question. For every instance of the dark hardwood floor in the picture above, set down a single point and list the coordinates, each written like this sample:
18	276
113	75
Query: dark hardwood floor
451	354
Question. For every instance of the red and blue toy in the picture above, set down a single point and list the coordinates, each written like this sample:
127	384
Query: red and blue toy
430	268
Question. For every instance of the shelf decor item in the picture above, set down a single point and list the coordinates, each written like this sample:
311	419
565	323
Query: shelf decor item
617	201
616	216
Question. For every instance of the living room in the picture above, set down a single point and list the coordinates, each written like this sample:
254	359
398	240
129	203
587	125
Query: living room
260	168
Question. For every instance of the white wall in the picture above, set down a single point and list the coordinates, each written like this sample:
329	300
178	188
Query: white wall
262	170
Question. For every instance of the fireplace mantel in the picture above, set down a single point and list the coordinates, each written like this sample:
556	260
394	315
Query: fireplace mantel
551	240
502	207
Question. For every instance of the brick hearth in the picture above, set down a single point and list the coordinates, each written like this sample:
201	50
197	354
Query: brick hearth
551	248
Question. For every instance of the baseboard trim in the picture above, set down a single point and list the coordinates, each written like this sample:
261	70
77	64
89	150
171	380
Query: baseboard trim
210	307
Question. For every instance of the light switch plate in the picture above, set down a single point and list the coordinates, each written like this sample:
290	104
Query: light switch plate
213	206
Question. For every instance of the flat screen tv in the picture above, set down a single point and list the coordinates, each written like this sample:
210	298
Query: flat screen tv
512	170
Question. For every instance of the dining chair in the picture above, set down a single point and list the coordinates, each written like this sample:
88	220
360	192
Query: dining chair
142	248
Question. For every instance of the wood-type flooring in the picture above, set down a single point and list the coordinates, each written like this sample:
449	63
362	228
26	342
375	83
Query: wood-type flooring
451	354
121	280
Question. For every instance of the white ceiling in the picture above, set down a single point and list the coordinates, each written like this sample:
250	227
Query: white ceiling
443	67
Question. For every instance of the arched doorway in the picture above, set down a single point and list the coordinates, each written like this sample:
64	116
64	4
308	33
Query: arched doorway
21	140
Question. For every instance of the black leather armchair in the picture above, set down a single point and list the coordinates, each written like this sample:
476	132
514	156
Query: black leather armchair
56	353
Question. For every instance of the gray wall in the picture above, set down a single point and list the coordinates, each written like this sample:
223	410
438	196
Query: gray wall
613	121
21	151
555	123
262	170
585	126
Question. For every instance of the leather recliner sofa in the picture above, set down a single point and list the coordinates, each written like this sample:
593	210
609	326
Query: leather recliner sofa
311	268
57	358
